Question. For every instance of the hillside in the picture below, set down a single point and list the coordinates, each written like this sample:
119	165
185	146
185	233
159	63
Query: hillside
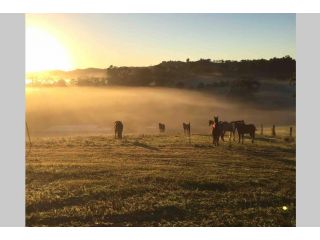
152	180
200	74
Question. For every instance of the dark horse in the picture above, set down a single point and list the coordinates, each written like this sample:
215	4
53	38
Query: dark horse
216	130
118	129
243	128
231	128
162	127
228	127
186	129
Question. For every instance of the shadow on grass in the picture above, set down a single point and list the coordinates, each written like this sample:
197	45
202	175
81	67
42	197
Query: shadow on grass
168	213
269	139
135	218
203	145
286	161
82	199
143	145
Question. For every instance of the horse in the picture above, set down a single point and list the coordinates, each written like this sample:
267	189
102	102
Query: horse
186	129
243	128
118	129
238	121
162	127
228	127
231	128
216	130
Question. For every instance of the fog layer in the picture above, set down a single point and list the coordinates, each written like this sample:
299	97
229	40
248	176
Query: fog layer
77	111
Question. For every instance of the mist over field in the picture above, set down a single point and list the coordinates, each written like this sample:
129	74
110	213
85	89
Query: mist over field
171	69
92	111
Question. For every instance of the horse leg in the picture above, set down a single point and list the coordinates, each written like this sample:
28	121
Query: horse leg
242	136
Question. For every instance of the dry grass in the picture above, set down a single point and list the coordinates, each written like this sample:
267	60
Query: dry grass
160	181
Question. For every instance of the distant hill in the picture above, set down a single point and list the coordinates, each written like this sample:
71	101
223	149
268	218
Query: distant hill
202	73
229	76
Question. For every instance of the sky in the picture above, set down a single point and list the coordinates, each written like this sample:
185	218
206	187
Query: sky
69	41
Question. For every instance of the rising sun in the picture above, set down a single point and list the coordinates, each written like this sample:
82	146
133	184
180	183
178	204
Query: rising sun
45	52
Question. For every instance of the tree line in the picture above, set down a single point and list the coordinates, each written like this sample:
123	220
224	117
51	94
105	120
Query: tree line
170	73
177	73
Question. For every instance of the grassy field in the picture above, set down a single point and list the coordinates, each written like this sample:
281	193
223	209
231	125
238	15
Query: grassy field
151	180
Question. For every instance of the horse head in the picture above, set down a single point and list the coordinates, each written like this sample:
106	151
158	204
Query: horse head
216	119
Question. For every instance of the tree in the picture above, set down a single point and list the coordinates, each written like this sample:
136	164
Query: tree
61	83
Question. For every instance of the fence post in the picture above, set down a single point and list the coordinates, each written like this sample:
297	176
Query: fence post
27	128
274	130
261	129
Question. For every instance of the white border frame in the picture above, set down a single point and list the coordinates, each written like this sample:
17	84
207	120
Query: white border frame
156	6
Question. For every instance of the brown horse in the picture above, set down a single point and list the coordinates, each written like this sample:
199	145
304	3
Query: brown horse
216	130
243	128
228	127
162	127
231	128
186	129
118	129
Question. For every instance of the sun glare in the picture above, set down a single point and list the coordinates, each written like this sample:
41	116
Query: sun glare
45	52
